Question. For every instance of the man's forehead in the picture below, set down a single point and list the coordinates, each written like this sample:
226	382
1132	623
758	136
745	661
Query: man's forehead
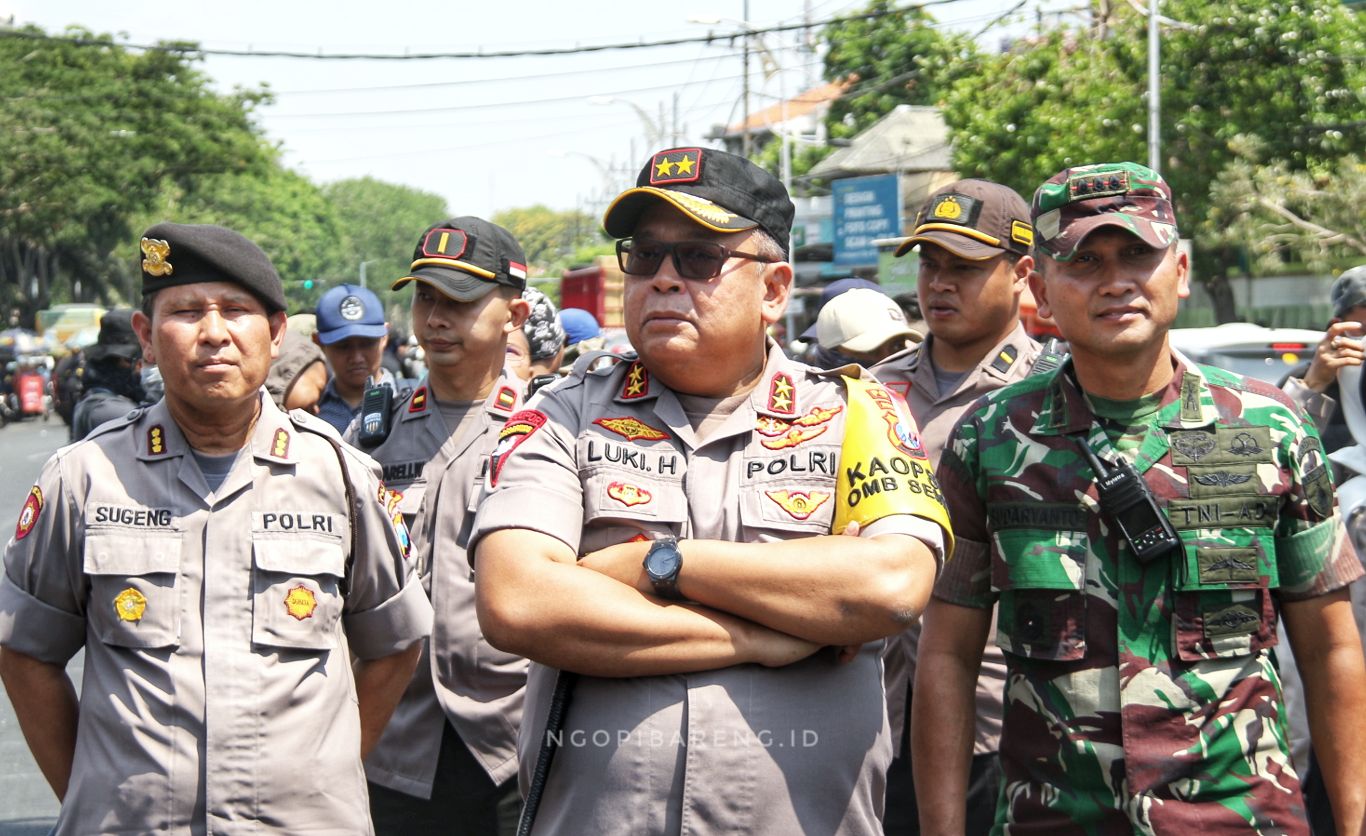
207	292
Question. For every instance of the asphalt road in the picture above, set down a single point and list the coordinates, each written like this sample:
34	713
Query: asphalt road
27	805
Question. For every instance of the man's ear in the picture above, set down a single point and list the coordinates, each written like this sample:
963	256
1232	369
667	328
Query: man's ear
142	326
777	291
519	310
1038	287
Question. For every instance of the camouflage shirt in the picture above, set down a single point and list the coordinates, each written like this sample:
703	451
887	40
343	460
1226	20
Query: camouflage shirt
1143	697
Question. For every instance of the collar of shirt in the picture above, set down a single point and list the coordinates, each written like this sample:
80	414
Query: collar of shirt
1187	401
272	439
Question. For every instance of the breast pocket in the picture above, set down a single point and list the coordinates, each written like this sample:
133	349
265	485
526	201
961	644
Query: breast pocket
1040	576
1222	583
134	587
621	503
297	601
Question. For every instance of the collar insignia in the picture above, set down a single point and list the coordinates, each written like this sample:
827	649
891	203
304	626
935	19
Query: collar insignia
629	495
155	253
301	603
637	382
632	429
419	400
279	445
506	400
156	439
28	515
780	394
130	604
798	504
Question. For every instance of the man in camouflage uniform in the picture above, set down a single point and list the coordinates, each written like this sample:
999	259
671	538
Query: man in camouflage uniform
1142	694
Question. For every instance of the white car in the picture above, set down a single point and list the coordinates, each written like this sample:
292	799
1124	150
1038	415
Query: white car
1248	349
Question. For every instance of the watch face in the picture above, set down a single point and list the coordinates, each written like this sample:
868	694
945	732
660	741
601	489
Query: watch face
664	562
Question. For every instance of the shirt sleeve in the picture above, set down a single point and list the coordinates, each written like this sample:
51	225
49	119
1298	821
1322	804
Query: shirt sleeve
43	590
1314	555
386	608
533	477
1317	405
966	578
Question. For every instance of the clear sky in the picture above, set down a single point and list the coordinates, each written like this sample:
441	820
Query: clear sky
486	133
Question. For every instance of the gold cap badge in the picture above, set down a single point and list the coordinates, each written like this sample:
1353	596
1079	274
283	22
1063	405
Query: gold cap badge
155	253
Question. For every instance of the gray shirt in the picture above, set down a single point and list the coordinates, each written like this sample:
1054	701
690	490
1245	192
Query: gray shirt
219	625
461	679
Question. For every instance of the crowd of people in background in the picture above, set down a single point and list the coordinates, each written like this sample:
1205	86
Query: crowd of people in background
915	572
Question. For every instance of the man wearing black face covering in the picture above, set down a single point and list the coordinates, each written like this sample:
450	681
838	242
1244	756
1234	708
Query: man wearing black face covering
113	385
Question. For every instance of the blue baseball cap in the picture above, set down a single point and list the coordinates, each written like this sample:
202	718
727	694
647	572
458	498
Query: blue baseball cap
578	325
349	310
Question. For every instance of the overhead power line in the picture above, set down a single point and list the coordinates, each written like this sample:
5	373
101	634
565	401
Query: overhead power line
320	55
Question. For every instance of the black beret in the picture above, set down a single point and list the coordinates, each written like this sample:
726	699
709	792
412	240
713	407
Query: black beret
179	254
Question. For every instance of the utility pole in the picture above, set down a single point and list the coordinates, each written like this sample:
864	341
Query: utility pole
744	124
1154	93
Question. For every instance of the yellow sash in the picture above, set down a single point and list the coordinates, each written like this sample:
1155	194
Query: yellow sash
883	468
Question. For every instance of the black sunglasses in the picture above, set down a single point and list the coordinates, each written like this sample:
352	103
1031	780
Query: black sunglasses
699	260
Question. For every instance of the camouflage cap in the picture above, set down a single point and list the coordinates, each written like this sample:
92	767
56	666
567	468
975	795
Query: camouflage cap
1079	200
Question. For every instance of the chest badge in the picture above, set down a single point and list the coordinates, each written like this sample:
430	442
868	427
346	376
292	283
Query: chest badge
629	495
130	605
300	602
793	437
798	504
632	429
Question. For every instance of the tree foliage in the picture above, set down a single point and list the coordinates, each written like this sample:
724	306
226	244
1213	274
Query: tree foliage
1281	213
550	237
380	224
91	136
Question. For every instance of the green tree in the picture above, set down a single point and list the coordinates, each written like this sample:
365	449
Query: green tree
549	237
380	223
90	135
1278	213
282	211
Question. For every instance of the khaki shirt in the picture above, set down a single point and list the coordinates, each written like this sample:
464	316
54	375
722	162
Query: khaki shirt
912	375
218	694
610	456
461	678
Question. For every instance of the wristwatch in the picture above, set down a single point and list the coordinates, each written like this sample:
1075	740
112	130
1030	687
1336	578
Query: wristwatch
662	564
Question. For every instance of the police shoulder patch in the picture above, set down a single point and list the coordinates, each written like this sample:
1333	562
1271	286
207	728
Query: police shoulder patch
28	515
517	429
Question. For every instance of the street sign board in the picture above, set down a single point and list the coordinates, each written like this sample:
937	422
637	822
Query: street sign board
865	208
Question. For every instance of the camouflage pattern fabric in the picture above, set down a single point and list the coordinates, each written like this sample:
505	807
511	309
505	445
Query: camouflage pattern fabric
1076	201
1143	698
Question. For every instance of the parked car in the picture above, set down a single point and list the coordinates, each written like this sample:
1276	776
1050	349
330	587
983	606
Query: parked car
1248	349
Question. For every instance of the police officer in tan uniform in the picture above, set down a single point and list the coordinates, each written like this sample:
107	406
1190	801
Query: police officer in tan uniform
709	697
447	761
973	238
224	565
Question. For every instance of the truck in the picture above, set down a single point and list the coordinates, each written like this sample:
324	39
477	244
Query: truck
596	288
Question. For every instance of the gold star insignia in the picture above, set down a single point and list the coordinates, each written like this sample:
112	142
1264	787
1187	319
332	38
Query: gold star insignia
684	165
665	168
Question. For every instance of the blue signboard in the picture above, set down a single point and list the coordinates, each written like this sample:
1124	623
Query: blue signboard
865	209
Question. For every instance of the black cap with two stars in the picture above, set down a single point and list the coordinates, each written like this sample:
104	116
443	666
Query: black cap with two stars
714	189
181	254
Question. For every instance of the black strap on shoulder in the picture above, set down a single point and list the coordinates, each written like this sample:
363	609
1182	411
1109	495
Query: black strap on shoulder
350	491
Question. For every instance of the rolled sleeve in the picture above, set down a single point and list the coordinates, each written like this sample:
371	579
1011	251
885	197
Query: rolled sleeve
536	485
966	580
37	629
1317	405
42	594
392	626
